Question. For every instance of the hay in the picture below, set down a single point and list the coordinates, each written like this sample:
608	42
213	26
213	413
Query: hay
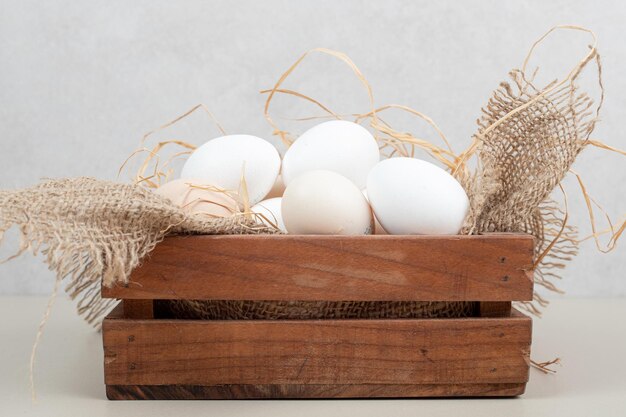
94	232
528	138
527	141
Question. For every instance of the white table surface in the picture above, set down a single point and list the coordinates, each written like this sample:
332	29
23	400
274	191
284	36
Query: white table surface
589	336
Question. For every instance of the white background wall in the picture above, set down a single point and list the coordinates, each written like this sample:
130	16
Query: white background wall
80	82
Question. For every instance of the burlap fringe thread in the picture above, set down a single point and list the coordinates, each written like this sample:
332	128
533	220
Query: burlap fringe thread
97	231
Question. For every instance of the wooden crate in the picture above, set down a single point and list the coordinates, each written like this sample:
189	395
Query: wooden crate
486	355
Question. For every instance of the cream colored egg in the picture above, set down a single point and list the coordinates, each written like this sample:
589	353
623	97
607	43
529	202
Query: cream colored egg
222	161
270	212
339	146
198	197
325	203
411	196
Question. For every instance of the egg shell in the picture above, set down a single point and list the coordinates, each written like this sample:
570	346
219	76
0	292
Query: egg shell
271	210
411	196
188	194
339	146
222	161
325	203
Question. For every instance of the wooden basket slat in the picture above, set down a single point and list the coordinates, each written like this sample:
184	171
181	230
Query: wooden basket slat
492	267
422	351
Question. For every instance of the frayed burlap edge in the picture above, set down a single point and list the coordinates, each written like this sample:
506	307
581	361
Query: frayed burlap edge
95	233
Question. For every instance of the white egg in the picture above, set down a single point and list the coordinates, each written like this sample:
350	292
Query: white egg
411	196
198	197
340	146
325	203
222	161
270	211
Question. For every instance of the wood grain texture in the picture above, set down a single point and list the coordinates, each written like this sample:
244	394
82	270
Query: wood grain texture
231	392
493	267
418	351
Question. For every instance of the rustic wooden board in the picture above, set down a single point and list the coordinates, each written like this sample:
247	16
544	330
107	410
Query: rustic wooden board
230	392
493	267
318	352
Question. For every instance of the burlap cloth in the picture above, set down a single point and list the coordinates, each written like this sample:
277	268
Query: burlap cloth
92	231
306	310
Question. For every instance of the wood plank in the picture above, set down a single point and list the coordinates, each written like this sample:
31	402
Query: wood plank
493	267
138	309
240	392
419	351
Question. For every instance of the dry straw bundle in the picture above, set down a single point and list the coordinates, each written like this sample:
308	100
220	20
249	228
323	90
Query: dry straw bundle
95	231
527	141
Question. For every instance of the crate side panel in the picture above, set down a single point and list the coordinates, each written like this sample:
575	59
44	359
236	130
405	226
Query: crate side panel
430	351
495	267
